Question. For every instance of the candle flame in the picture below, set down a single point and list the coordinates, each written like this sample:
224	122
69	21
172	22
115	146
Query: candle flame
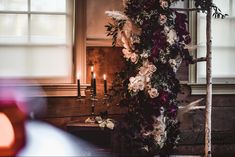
92	68
94	76
104	77
78	76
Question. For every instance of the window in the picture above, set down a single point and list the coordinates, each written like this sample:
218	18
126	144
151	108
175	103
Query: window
36	40
223	45
223	50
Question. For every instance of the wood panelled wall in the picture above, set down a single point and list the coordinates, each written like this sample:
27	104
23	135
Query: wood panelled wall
109	60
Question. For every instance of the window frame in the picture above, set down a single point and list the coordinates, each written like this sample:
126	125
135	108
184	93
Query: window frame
197	87
49	85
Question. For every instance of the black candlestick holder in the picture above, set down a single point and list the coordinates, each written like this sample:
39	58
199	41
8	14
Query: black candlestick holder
106	102
93	100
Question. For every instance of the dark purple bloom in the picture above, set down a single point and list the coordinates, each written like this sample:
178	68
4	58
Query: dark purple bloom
172	111
181	27
164	97
159	42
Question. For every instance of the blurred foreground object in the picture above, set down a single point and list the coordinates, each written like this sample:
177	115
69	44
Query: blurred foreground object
12	131
45	140
20	136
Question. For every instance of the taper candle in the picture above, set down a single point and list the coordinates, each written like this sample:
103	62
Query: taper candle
78	86
92	73
94	85
105	85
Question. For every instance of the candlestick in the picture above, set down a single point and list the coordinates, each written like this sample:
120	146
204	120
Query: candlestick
105	85
92	73
94	85
78	86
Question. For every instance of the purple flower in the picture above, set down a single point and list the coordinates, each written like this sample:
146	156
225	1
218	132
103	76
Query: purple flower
172	110
159	42
164	97
181	27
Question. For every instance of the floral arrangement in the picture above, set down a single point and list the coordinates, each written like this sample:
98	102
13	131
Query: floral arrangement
155	42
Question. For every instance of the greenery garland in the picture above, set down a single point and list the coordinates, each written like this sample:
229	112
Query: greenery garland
155	39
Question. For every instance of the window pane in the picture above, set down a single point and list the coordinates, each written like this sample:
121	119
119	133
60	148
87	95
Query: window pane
48	29
222	62
13	28
223	44
221	29
13	62
48	5
14	5
35	62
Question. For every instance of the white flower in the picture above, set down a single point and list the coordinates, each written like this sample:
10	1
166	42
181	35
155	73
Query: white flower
172	62
110	124
145	54
147	69
117	15
164	4
172	36
153	93
166	29
162	19
98	119
159	130
147	79
102	124
136	83
134	58
175	63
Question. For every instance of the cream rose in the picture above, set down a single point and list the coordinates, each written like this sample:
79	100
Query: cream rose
164	4
153	93
136	83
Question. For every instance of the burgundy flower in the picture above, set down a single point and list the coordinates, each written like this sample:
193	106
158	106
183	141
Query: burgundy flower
172	111
181	27
159	42
164	97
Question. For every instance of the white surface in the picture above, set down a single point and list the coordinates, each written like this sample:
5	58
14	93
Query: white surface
46	140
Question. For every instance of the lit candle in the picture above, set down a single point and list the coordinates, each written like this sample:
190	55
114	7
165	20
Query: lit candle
78	86
92	73
94	85
105	85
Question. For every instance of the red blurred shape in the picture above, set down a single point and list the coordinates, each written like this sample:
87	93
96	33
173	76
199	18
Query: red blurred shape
7	134
13	118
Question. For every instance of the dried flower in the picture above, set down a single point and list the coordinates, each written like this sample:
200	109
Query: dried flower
117	15
127	53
